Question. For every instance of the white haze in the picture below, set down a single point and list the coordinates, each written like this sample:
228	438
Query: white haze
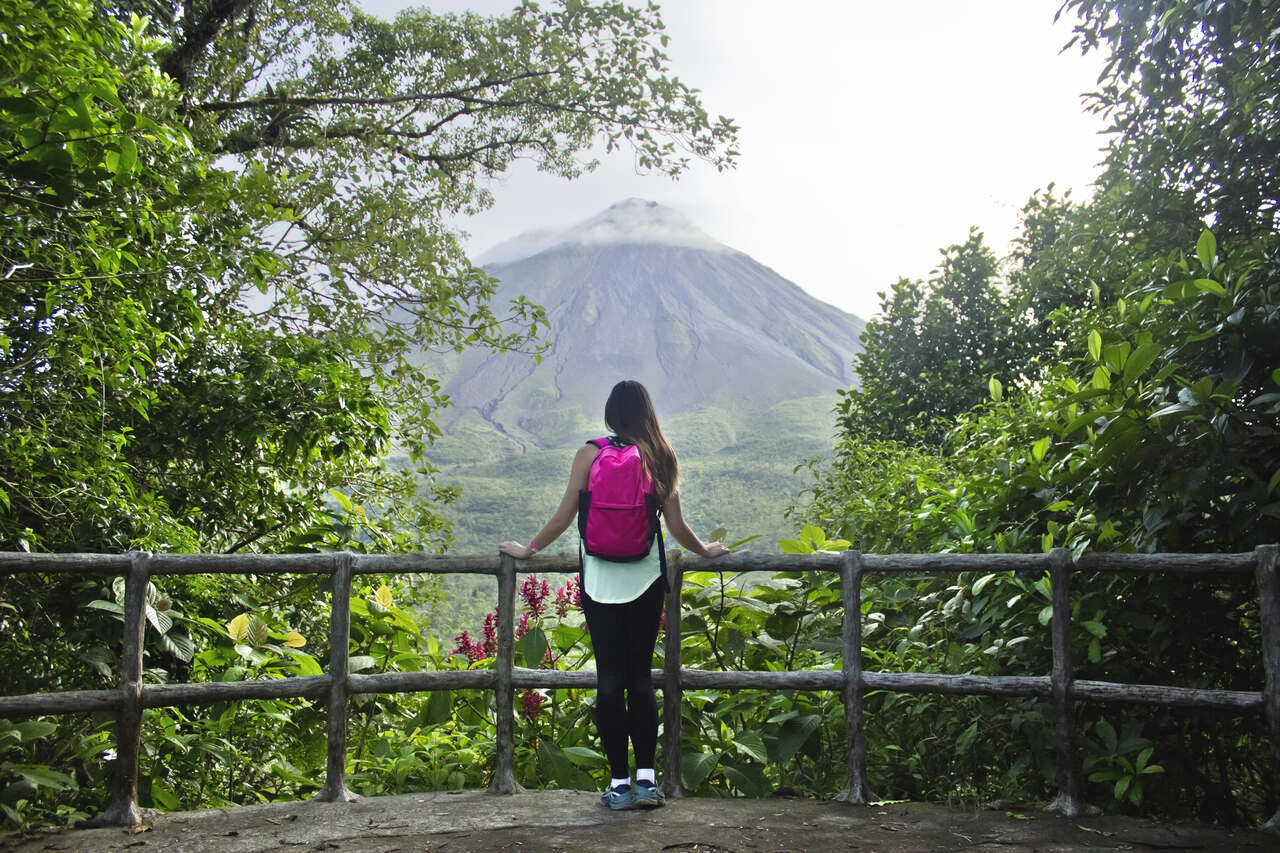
873	134
633	221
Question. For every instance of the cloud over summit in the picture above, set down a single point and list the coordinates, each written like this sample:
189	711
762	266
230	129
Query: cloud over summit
634	221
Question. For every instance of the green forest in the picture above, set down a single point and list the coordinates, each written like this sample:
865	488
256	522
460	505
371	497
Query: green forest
225	244
739	473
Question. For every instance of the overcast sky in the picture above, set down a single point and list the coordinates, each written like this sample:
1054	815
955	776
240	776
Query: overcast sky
872	134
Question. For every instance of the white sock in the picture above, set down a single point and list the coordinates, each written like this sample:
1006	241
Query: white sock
645	774
625	780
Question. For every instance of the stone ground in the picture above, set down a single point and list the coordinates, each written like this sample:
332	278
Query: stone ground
574	821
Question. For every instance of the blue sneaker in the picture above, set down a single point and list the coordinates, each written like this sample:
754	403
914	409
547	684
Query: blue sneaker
619	798
648	795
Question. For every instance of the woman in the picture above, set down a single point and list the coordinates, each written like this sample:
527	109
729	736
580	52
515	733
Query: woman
623	600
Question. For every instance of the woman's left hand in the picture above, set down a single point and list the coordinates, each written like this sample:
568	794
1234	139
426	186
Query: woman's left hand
515	549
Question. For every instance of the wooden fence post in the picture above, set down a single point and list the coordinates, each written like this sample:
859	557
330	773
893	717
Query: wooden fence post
1267	557
335	776
504	774
123	809
856	790
672	692
1068	802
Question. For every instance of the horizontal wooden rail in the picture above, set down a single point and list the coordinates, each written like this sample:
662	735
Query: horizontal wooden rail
132	696
564	563
208	693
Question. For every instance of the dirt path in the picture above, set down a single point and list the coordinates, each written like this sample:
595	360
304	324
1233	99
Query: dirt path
574	821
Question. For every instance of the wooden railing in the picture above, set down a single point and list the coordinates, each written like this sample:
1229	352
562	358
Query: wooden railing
132	696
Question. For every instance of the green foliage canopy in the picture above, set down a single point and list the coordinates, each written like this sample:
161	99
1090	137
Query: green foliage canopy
1144	415
228	240
931	353
1191	90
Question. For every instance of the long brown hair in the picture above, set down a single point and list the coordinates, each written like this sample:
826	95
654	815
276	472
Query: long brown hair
630	414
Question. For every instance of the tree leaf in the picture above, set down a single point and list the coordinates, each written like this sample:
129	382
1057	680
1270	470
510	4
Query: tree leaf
966	738
814	535
257	633
533	647
751	745
163	796
238	628
159	620
43	777
306	664
34	729
749	779
1084	419
794	546
179	645
695	767
1173	409
557	767
438	708
981	583
128	158
795	732
109	606
1107	733
1207	249
1139	361
359	663
584	756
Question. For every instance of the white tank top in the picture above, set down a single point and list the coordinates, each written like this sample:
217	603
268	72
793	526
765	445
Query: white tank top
617	583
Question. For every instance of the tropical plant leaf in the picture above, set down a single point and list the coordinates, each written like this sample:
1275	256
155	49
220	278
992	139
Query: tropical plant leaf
695	767
533	647
795	732
238	628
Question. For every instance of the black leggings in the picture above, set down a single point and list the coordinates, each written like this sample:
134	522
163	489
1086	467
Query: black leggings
622	636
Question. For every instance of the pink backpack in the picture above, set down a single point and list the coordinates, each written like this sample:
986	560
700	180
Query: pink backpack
618	511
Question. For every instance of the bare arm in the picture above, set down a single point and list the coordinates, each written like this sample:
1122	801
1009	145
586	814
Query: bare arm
682	534
565	513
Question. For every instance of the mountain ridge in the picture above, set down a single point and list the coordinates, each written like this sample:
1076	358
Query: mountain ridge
637	291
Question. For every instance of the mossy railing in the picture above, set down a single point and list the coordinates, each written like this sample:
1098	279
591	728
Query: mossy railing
133	696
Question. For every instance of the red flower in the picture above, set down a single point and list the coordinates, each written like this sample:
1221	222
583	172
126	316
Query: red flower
531	704
567	596
535	593
467	646
490	640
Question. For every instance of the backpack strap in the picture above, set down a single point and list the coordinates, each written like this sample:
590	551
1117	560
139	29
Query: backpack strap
600	443
655	519
662	561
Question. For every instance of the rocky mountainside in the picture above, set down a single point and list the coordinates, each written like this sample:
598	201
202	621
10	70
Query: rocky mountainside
639	292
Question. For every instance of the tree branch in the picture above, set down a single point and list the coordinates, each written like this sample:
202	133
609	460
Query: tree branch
199	35
357	101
